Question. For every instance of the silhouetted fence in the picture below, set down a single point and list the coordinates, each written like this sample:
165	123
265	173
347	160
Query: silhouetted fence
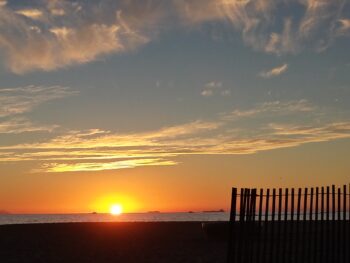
303	226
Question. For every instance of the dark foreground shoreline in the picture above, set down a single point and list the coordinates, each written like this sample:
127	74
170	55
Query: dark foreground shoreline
109	242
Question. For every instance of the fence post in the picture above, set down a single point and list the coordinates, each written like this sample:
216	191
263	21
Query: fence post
304	227
258	254
252	226
316	236
232	237
279	224
333	223
241	224
266	225
338	228
310	239
323	238
272	232
247	230
285	226
292	234
348	229
297	247
344	225
327	239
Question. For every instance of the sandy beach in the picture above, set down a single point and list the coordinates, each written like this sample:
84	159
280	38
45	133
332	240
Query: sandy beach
109	242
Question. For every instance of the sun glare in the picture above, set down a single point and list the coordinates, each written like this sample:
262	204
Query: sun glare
116	209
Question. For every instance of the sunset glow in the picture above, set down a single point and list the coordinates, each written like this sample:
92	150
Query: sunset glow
114	106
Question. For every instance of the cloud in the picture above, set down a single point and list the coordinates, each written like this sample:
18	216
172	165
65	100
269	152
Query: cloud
225	92
275	108
331	130
243	131
30	13
214	85
57	12
47	35
207	93
344	28
274	72
214	88
122	164
62	33
259	21
15	101
21	125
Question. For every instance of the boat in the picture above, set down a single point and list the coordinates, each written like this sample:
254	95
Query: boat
214	211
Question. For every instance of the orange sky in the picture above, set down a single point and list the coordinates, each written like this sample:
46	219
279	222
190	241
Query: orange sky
197	183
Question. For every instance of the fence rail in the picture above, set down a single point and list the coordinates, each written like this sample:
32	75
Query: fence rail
309	225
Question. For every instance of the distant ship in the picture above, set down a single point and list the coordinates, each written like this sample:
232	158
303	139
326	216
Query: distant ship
153	212
214	211
94	213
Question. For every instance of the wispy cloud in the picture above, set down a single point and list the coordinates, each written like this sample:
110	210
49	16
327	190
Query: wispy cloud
15	101
344	28
207	93
56	34
215	88
274	72
21	125
95	166
62	33
242	131
275	108
30	13
257	20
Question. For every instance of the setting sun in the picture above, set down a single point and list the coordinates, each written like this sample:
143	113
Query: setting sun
116	209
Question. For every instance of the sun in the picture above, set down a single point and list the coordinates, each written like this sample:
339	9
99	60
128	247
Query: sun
116	209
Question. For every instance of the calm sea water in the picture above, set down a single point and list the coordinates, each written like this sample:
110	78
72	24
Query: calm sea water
134	217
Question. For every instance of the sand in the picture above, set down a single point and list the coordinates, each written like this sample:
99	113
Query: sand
109	242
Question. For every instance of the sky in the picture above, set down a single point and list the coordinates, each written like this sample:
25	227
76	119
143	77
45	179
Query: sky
167	104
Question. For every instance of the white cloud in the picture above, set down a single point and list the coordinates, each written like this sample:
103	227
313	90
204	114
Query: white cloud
274	72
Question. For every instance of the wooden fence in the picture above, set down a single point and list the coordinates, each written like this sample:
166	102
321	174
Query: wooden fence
309	225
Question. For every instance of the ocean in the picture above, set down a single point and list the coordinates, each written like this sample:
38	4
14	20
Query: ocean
6	219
